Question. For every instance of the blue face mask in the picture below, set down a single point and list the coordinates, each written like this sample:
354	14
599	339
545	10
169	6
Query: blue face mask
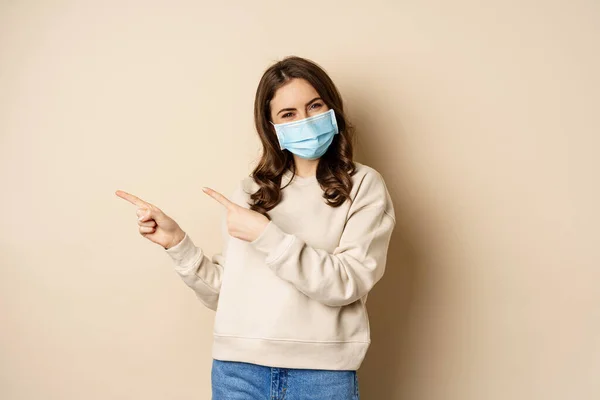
309	137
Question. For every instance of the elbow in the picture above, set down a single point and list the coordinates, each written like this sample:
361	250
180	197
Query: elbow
210	302
345	297
340	301
354	288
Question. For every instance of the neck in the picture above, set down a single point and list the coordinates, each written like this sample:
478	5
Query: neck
304	167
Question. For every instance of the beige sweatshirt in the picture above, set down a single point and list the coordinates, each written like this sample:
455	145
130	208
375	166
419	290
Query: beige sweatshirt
295	297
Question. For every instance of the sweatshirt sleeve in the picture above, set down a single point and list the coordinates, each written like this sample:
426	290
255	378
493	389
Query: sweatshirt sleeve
202	273
357	263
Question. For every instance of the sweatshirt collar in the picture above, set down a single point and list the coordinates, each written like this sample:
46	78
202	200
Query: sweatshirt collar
300	180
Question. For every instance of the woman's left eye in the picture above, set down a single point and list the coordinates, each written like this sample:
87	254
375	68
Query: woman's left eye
317	105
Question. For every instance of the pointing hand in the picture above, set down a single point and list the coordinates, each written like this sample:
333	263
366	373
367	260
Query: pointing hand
242	223
155	225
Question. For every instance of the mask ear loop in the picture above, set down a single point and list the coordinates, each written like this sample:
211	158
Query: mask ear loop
277	134
334	121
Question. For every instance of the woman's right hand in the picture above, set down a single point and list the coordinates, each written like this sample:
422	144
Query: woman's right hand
154	224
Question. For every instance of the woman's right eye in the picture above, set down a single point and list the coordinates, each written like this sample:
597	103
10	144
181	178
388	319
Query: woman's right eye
284	115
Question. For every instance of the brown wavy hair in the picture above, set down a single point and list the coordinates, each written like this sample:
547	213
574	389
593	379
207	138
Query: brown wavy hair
335	167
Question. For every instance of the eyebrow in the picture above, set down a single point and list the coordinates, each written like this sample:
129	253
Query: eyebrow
293	109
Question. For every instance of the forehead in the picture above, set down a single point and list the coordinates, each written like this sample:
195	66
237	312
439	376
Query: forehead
295	93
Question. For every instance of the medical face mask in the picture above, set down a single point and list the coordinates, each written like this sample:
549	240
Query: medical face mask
310	137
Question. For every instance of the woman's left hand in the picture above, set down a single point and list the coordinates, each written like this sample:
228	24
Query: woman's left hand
242	223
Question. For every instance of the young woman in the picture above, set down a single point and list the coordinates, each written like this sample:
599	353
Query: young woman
306	237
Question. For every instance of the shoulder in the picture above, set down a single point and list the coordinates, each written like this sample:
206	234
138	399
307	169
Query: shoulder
242	191
248	185
370	190
367	178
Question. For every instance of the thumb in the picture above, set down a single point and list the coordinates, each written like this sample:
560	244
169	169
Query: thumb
148	213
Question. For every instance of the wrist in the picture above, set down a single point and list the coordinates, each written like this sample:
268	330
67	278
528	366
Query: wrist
178	237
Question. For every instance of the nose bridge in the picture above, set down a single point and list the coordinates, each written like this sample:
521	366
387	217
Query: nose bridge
302	114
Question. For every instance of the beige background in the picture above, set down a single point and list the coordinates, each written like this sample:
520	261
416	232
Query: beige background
481	116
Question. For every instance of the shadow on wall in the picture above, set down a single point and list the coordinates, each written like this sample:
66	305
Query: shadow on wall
389	358
386	371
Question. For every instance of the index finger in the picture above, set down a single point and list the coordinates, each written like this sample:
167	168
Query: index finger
131	198
218	196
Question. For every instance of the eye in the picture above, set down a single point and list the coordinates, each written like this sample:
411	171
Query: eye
284	115
318	105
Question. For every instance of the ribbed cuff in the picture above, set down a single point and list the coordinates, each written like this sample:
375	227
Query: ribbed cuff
272	241
184	253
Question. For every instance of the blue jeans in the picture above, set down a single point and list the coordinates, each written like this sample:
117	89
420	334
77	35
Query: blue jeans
232	380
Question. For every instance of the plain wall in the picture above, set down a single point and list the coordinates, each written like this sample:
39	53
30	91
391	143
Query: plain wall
481	116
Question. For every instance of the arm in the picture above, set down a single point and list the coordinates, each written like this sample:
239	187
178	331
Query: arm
356	264
203	274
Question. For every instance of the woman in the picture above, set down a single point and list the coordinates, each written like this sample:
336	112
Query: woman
305	240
